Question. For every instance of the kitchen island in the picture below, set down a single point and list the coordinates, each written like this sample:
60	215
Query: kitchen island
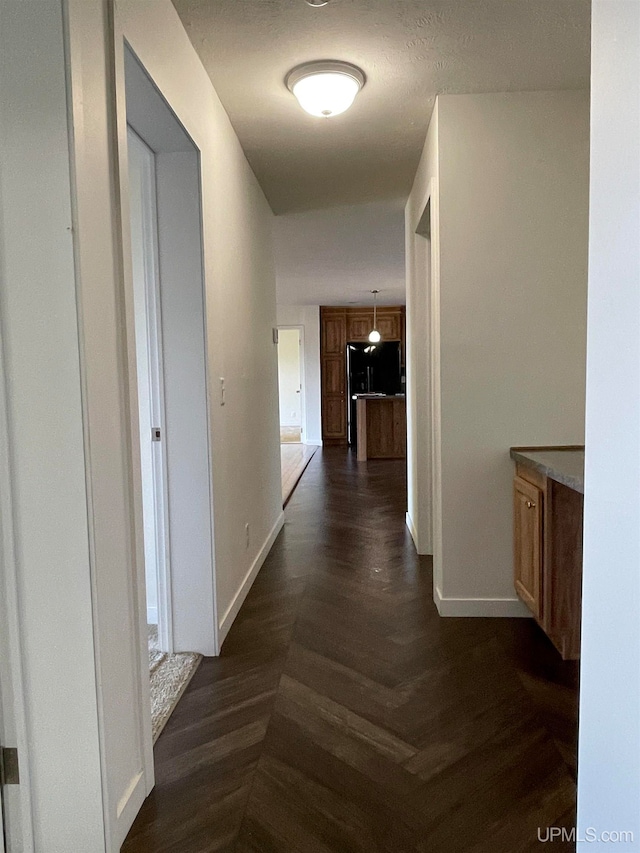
381	426
548	507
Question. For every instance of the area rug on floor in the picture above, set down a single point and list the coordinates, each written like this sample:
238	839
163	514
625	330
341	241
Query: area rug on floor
169	674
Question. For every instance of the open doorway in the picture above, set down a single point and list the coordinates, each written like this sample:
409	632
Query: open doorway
172	405
294	453
290	385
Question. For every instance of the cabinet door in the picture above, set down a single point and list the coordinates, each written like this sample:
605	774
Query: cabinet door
527	507
359	325
333	377
390	326
334	333
334	419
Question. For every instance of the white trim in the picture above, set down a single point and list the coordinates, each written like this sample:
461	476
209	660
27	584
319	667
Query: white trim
139	602
17	801
128	807
479	607
414	534
245	586
314	442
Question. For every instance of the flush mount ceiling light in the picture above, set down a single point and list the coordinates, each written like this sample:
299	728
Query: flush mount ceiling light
374	334
316	2
325	88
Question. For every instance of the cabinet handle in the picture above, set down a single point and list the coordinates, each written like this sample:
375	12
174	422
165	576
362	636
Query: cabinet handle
530	505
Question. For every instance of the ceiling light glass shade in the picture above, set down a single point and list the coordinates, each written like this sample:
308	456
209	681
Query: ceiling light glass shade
374	336
325	89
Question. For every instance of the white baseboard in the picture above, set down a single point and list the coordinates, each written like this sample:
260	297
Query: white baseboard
412	530
313	442
238	599
128	807
423	551
478	607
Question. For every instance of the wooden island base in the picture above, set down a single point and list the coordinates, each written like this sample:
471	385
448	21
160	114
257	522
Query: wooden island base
382	427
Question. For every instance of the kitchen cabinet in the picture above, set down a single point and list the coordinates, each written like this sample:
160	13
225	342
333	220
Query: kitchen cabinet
338	326
547	530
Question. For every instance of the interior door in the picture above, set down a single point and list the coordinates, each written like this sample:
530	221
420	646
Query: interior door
144	251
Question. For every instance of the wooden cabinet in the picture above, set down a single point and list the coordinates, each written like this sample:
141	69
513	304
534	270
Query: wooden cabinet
333	374
360	323
527	513
334	331
338	325
382	428
547	527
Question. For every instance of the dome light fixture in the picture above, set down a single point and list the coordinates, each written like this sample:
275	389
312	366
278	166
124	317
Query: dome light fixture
325	88
316	3
374	335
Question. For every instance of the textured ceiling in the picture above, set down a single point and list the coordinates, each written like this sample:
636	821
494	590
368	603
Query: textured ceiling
410	50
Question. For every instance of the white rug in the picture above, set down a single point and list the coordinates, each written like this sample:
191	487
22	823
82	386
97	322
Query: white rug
169	675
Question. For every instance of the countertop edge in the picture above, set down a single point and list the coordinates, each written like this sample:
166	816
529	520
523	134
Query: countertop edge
519	454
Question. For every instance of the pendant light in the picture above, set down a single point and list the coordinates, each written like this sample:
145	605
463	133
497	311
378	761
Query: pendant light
325	88
374	334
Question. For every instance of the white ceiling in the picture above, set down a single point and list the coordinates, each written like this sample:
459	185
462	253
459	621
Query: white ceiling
336	256
410	50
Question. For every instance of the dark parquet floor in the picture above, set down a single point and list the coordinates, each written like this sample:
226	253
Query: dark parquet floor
344	715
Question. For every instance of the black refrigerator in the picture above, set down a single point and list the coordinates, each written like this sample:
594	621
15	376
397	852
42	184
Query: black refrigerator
372	369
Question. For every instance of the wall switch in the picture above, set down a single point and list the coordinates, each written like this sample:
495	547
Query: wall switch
247	535
222	392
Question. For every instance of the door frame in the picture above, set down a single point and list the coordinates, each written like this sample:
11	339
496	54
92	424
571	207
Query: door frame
303	376
16	821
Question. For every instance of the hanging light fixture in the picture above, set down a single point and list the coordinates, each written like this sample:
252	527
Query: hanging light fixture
374	334
326	88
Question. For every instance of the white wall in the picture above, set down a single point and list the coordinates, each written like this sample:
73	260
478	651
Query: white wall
339	255
290	377
609	746
307	316
513	201
45	443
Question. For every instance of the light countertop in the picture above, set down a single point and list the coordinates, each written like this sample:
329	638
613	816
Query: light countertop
563	464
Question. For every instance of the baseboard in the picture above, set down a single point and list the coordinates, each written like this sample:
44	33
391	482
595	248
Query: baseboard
412	530
313	442
128	807
423	551
479	607
238	599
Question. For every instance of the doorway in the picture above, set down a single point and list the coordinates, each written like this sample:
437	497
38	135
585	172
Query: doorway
179	618
290	385
295	454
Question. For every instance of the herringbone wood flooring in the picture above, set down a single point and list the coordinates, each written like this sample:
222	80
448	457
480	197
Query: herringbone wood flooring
344	715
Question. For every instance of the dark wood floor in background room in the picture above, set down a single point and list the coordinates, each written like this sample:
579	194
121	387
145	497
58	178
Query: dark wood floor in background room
345	715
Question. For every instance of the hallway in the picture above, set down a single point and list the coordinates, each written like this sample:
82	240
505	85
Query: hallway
345	715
